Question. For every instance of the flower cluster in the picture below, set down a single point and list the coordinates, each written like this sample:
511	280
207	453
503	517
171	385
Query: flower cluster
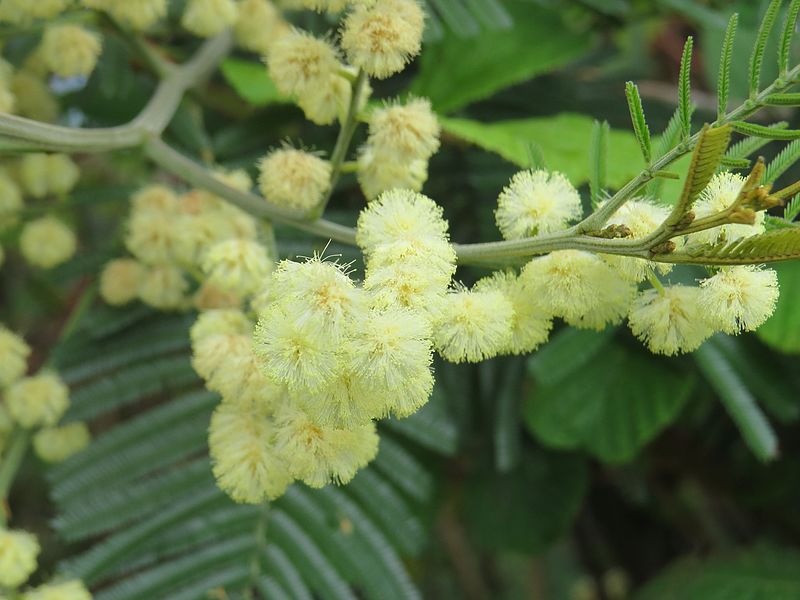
189	249
47	241
33	403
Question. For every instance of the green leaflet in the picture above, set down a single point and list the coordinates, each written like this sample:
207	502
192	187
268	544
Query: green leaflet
711	147
757	57
771	133
640	128
251	81
785	47
772	246
781	163
685	88
724	79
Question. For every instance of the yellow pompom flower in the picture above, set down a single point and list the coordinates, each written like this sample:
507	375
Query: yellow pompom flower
237	266
47	242
258	26
642	217
739	298
18	553
10	201
14	353
301	64
390	358
32	174
321	455
67	590
62	174
433	257
157	198
209	297
405	131
137	14
471	326
380	172
669	322
384	36
319	294
220	322
7	99
417	285
536	202
294	179
152	237
120	281
579	287
33	97
399	215
22	11
328	102
209	17
39	400
229	366
163	287
342	404
720	193
242	445
70	50
532	320
57	444
295	353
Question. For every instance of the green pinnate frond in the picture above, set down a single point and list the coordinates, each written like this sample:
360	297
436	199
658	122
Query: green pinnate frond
792	209
685	88
707	155
770	133
784	49
781	163
757	57
749	145
772	246
724	79
640	128
786	99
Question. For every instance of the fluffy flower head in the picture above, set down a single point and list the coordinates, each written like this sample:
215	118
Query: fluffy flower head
536	202
405	131
237	266
670	322
258	26
18	553
294	178
384	36
70	50
47	242
38	400
220	322
720	193
14	354
642	217
321	455
209	17
57	444
68	590
242	444
399	215
163	287
739	298
300	63
138	14
120	281
379	172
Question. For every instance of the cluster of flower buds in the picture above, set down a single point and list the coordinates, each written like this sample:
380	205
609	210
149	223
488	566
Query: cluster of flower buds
33	403
44	242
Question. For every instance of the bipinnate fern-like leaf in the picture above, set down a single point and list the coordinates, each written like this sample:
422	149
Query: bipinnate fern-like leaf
724	79
142	495
776	245
785	46
770	133
640	127
685	107
707	155
757	57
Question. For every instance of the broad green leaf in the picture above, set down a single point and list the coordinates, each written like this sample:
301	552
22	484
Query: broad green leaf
529	508
563	139
618	403
251	81
759	573
455	71
782	330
